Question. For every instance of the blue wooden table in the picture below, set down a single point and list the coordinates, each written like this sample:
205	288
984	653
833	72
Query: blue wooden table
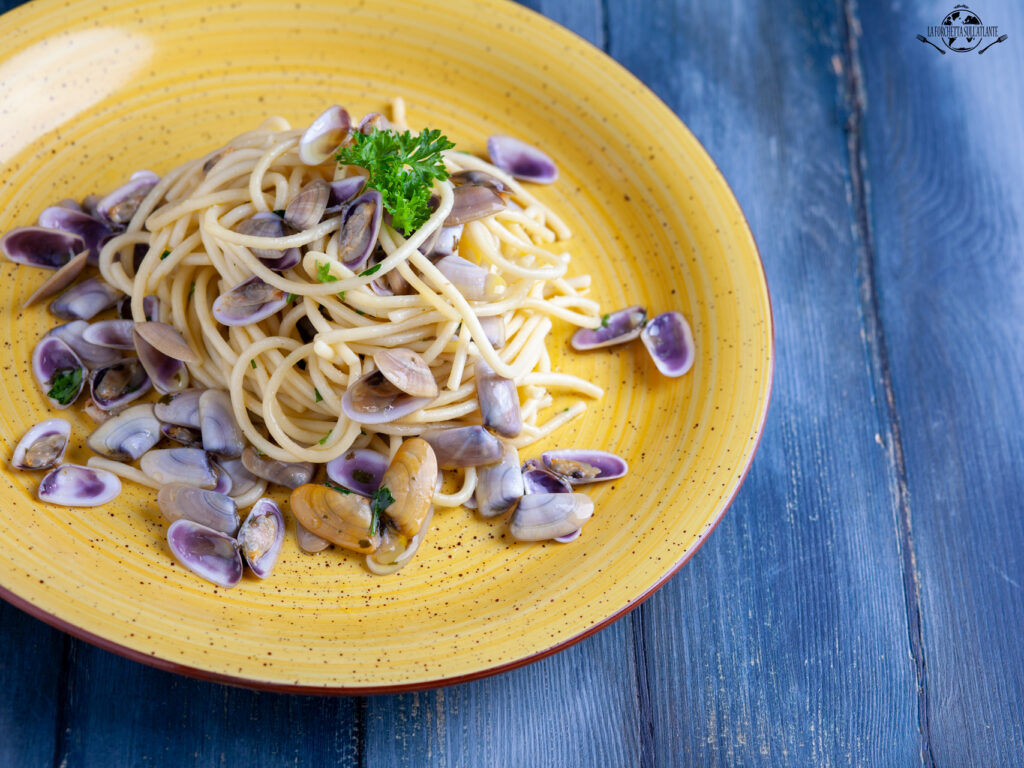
862	603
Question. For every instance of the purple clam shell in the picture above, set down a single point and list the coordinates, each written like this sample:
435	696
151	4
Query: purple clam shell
471	446
567	463
209	554
116	334
190	466
72	485
270	225
92	230
85	300
248	302
618	328
51	356
120	205
262	536
522	160
324	135
25	458
360	470
41	247
127	435
541	480
342	192
242	480
211	508
568	537
670	341
221	433
372	399
181	408
499	401
225	485
130	378
150	308
357	237
93	355
167	374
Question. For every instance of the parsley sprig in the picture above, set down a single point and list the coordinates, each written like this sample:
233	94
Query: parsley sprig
65	385
382	499
402	168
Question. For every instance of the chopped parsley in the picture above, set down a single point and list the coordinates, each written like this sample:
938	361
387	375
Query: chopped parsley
253	364
65	385
604	321
323	273
323	440
381	500
402	168
371	271
339	488
291	298
164	255
317	395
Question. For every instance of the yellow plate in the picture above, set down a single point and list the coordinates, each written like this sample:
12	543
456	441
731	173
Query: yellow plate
91	91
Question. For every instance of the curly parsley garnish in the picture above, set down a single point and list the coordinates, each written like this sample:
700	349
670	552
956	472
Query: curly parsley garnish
382	499
65	386
402	168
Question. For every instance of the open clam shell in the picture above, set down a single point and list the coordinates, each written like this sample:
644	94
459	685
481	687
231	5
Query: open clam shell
500	486
221	433
59	371
360	470
360	227
41	246
115	334
190	466
128	435
499	401
582	466
307	207
617	328
43	445
249	302
372	399
93	231
262	536
270	225
290	474
209	554
522	160
324	135
168	374
93	355
71	485
538	479
120	205
543	516
116	385
471	446
473	202
85	300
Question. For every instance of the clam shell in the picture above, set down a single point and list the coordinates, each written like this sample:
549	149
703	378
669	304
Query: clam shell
359	470
168	374
500	486
343	191
262	536
324	135
473	202
270	225
59	280
538	479
41	247
178	501
116	385
85	300
242	480
190	466
307	207
543	516
411	478
166	338
388	558
478	178
372	399
471	446
499	401
115	334
581	466
617	328
120	205
669	341
190	438
360	227
93	231
54	362
342	519
308	541
93	355
494	330
221	434
71	485
407	371
128	435
209	554
522	160
249	302
43	445
290	474
181	408
473	281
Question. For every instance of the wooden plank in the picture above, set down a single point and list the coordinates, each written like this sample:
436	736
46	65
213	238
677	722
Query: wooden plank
784	641
121	713
944	248
31	659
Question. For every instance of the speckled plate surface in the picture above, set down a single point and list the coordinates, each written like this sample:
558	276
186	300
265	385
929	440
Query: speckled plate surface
91	91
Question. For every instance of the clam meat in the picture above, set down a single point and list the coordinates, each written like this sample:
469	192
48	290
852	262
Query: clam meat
43	445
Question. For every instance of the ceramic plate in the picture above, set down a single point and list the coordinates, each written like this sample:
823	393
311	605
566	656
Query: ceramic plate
91	91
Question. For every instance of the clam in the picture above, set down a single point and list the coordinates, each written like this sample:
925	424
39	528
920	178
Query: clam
372	399
343	519
168	374
166	338
248	303
522	160
290	474
538	479
85	300
181	408
308	541
71	485
93	231
500	486
59	371
407	371
127	435
580	467
221	434
499	401
209	554
270	225
473	281
225	484
307	208
472	202
444	243
178	501
116	334
93	355
359	470
190	466
410	478
373	121
470	446
670	342
478	178
242	480
150	308
71	205
59	280
360	226
343	191
43	445
324	135
542	516
114	386
190	438
41	247
396	549
261	537
120	205
616	328
494	330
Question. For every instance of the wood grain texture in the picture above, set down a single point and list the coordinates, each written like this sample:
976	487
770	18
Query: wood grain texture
945	245
784	641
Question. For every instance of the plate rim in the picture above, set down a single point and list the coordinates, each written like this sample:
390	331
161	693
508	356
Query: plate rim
167	665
